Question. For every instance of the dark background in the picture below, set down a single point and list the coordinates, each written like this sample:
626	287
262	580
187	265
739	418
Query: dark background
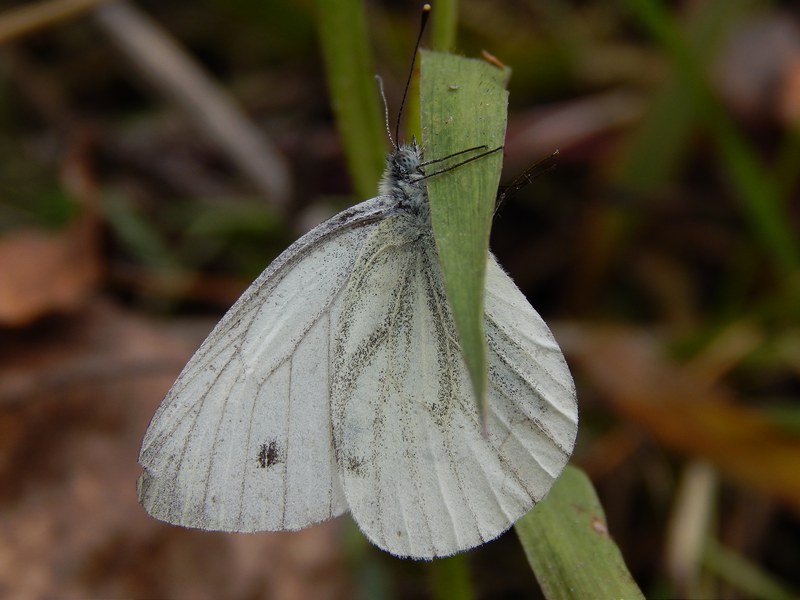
663	251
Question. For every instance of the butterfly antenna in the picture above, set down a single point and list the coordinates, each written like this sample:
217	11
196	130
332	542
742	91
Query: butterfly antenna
385	110
462	163
426	11
528	175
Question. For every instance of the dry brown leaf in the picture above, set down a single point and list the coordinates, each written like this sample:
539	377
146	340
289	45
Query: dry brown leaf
47	271
682	411
54	271
789	95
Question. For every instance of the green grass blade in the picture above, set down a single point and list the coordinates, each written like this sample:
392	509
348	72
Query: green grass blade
658	148
566	540
745	575
758	194
464	105
351	81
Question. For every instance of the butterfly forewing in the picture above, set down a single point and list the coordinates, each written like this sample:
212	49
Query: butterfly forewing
243	440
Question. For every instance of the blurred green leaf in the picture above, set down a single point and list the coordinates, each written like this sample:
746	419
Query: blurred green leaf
758	194
743	574
30	194
137	233
566	540
464	104
662	141
450	578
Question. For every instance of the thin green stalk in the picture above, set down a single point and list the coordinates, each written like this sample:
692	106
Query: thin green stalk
444	25
351	80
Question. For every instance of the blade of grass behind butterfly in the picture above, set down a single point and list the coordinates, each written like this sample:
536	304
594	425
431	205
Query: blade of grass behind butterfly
444	25
351	80
463	105
566	540
444	22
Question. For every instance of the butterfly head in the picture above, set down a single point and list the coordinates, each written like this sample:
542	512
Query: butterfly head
401	178
404	161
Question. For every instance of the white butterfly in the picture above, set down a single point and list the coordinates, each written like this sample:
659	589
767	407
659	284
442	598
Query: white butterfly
336	382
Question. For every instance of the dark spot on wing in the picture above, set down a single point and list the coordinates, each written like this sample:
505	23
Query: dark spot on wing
354	465
269	455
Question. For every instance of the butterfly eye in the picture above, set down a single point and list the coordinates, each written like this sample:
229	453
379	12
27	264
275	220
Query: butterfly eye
405	163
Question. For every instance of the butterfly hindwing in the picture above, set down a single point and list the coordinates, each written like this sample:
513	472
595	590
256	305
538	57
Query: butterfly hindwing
420	477
527	371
